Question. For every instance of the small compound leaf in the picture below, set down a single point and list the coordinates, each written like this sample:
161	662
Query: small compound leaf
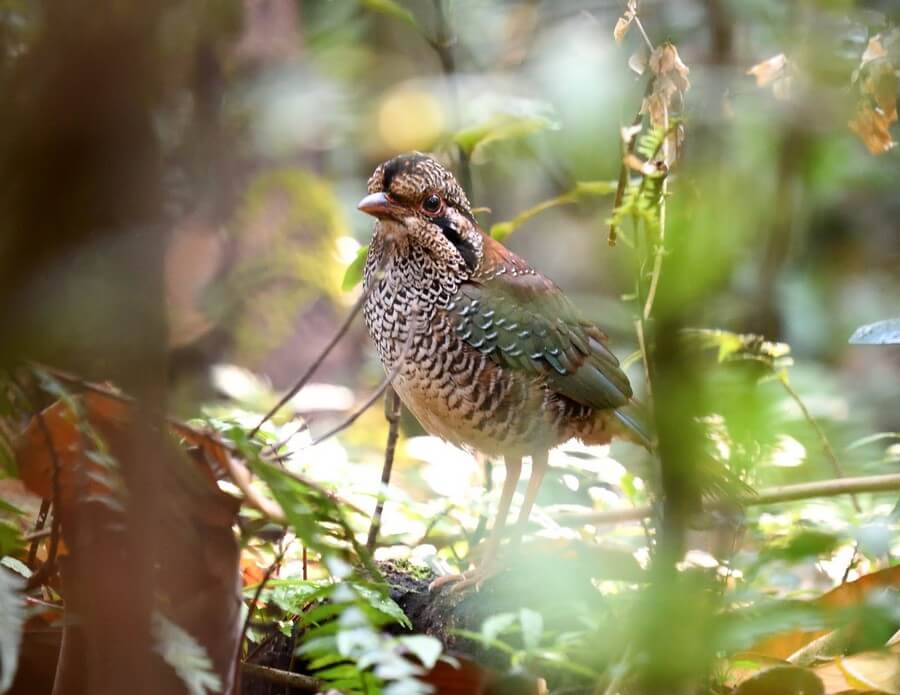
879	333
383	604
12	618
186	656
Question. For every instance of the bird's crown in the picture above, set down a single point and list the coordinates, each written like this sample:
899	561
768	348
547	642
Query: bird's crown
408	177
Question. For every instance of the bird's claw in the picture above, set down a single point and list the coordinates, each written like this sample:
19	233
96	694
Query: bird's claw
459	583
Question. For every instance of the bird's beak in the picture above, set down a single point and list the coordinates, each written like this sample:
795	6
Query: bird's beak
378	205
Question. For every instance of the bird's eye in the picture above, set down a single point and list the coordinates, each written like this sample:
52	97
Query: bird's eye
431	204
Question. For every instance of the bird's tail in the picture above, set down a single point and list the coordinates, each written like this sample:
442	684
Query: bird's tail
635	426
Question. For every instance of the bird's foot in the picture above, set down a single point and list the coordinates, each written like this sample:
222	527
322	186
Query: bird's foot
460	583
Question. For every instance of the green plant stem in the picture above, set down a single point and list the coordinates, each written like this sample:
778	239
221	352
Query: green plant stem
820	433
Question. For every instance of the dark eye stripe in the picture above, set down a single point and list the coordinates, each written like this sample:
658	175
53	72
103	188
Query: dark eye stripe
466	250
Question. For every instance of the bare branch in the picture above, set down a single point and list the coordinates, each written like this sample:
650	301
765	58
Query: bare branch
298	681
382	387
335	339
772	495
392	409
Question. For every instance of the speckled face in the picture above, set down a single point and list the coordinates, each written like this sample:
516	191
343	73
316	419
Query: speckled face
431	207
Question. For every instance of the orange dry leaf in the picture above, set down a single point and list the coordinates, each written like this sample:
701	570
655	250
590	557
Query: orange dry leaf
775	72
876	109
768	70
88	452
850	594
864	672
81	471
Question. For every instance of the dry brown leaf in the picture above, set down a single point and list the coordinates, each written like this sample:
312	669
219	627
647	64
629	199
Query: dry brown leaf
83	473
78	474
768	70
670	81
874	50
781	646
865	672
873	128
624	22
665	61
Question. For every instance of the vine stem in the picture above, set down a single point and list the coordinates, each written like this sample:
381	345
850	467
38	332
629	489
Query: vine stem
820	433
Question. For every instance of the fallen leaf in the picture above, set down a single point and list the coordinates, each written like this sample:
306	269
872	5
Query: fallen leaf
868	671
783	645
784	680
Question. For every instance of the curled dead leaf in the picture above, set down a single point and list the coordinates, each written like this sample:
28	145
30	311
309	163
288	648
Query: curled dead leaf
768	70
670	82
624	22
637	62
874	50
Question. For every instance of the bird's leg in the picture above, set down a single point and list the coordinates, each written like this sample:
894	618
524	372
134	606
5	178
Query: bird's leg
539	467
485	567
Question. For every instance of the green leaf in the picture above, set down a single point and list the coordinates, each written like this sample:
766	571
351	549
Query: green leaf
501	126
354	273
496	624
392	9
10	538
383	604
804	544
532	627
9	508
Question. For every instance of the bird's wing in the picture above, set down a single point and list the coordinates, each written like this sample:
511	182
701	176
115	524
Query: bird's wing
523	321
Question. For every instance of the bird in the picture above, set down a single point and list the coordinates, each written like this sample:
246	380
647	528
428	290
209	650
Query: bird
487	353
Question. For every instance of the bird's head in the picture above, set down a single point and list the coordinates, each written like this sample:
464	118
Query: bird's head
416	199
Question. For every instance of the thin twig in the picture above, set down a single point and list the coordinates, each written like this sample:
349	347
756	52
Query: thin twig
256	594
382	387
642	344
772	495
46	569
443	44
623	173
298	681
392	414
637	23
38	533
823	438
342	329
